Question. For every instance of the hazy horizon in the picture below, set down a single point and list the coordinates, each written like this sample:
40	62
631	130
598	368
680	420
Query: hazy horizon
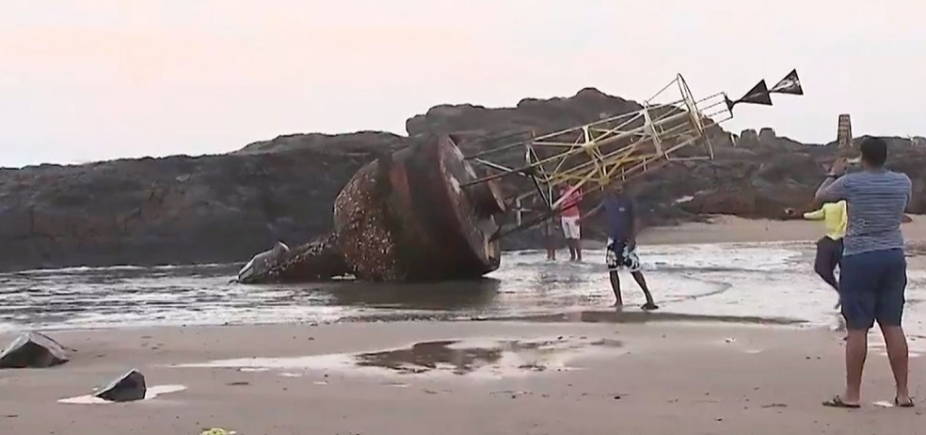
110	79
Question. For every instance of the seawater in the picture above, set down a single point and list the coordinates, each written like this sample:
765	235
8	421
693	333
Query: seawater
768	280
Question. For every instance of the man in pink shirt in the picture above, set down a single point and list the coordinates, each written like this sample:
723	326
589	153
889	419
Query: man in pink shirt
570	213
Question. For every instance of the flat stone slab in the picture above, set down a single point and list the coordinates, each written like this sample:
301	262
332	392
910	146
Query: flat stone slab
33	350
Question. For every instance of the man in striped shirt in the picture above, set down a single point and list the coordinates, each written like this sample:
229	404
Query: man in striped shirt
873	273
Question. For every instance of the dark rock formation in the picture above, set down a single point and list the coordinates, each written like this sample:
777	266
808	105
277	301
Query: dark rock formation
33	350
224	208
126	388
178	209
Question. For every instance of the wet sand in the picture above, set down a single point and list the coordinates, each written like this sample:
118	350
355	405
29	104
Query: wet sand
655	378
582	371
729	229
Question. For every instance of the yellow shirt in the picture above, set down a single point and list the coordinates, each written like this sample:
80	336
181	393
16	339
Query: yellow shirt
834	217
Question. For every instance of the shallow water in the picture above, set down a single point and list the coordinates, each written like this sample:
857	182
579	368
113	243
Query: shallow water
488	358
729	282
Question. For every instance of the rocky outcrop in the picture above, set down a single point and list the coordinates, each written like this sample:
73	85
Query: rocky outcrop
172	210
226	208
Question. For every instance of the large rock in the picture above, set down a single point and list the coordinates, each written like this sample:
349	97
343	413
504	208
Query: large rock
33	350
224	208
126	388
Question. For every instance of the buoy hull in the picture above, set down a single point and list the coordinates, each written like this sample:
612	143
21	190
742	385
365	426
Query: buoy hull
405	217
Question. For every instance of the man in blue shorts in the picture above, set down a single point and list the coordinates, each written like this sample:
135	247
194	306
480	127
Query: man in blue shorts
621	252
873	273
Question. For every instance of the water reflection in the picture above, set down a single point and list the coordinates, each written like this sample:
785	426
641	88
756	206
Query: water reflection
492	356
444	296
464	357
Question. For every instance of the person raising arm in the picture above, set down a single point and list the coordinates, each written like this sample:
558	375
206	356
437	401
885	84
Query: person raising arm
873	273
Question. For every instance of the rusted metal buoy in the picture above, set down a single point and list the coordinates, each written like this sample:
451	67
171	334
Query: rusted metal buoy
402	217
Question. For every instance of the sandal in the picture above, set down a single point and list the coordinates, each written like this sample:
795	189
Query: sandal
837	402
903	405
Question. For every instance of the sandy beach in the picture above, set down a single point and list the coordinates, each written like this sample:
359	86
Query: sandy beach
653	379
729	229
587	371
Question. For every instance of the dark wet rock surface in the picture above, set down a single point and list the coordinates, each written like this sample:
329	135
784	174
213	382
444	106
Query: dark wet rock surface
126	388
33	350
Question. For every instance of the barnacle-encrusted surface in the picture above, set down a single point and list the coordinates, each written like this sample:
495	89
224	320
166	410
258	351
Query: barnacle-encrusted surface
319	259
403	217
368	240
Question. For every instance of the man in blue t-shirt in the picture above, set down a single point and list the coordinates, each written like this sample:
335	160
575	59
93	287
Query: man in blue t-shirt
621	252
873	272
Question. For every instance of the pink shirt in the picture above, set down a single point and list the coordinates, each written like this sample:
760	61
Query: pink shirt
570	205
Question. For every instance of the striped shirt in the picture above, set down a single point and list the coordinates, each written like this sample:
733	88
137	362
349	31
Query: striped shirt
876	201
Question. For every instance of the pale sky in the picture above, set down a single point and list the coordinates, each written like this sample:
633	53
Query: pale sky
86	80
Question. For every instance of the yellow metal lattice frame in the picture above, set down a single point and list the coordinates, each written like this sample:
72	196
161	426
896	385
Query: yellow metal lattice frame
619	147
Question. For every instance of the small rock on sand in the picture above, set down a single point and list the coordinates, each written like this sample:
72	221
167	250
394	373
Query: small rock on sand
33	350
127	388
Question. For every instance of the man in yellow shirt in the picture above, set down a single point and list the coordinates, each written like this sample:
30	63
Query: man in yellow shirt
829	247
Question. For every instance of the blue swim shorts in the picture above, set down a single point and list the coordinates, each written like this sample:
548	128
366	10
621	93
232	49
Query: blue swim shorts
871	288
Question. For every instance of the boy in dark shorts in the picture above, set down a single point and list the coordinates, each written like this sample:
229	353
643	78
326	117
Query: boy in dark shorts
547	228
549	239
